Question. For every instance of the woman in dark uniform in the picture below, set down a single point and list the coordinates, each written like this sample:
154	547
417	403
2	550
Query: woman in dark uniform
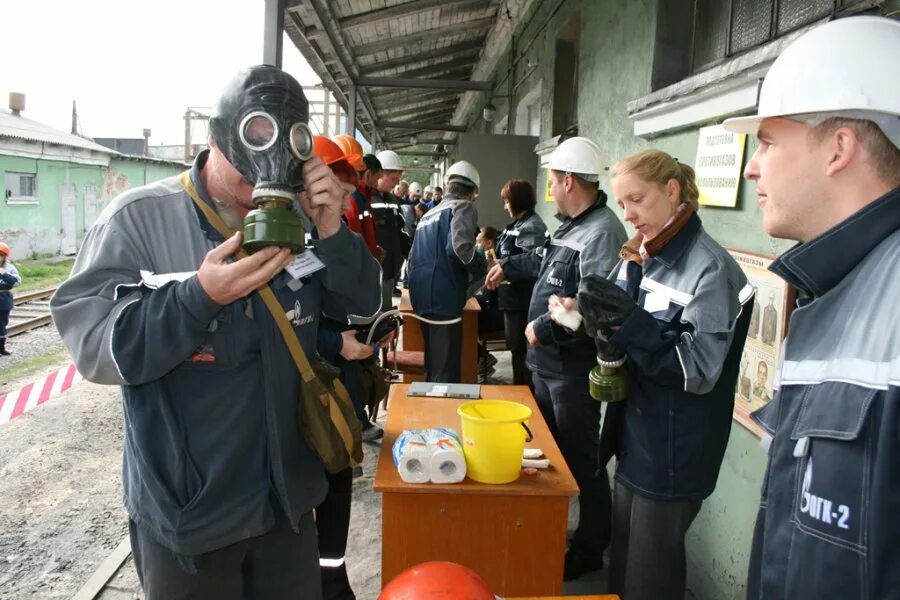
526	233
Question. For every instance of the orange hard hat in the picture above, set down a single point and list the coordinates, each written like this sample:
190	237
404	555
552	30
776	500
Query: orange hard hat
4	249
352	150
333	156
438	580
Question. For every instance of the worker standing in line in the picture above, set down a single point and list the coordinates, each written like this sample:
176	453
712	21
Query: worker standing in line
586	242
438	195
359	217
678	306
415	193
219	483
389	225
827	172
440	261
9	278
526	233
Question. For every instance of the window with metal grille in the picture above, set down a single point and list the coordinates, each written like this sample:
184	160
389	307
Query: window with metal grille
724	28
21	187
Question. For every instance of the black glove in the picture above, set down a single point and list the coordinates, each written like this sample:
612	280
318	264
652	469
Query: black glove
603	305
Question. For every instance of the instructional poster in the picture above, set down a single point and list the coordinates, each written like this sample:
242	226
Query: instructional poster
768	323
720	157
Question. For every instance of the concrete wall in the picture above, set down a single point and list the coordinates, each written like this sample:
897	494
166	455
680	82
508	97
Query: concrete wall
34	229
615	63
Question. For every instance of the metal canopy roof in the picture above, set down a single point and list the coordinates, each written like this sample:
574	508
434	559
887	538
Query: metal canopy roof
409	62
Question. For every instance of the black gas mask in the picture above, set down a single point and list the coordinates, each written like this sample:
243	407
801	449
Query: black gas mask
260	126
603	306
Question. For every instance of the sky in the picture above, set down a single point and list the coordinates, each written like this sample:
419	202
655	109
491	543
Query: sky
127	64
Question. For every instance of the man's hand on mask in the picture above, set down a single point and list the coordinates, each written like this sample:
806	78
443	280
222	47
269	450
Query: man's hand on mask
224	282
603	305
324	197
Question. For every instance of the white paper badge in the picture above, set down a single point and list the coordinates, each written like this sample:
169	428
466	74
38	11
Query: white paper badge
305	264
655	302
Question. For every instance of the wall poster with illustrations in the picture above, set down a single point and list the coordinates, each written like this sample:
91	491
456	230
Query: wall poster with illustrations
768	326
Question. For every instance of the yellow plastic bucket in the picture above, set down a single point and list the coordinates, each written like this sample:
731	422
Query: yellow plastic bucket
494	433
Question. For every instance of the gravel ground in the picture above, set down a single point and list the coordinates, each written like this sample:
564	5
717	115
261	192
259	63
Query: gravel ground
25	346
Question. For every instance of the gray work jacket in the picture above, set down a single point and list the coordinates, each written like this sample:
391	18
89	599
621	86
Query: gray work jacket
212	438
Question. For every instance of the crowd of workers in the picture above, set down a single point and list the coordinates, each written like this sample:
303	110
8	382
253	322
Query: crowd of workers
221	487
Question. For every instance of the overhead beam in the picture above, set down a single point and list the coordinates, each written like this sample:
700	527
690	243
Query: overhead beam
427	116
425	84
408	96
416	153
440	68
476	26
420	142
470	47
414	110
421	126
404	10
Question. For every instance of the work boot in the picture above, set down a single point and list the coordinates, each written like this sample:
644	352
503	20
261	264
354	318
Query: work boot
3	350
371	432
578	563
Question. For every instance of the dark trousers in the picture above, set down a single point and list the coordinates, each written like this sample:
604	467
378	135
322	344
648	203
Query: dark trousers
4	321
443	345
350	379
333	525
648	538
277	564
574	420
514	323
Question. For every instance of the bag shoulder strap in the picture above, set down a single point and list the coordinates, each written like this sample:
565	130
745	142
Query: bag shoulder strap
268	296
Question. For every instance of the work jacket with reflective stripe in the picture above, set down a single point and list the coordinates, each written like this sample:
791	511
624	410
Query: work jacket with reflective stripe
210	392
442	256
360	220
829	517
586	243
522	235
683	347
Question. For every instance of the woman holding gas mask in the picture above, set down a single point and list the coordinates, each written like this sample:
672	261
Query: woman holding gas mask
679	307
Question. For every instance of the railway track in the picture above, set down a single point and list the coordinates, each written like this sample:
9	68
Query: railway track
32	310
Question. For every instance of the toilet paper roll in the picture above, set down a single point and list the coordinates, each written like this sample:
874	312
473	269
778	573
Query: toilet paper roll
448	463
412	456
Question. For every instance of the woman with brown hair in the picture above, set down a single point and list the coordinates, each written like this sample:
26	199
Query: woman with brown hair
678	306
526	233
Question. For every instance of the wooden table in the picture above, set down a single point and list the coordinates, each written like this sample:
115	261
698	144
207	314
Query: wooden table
412	338
513	535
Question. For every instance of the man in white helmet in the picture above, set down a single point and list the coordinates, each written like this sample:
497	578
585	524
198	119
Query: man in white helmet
389	224
442	257
827	172
415	192
587	241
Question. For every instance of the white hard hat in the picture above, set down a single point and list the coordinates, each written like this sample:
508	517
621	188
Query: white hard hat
578	155
840	67
429	189
463	170
390	160
415	188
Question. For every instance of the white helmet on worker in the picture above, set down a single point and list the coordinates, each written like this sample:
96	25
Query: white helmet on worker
429	189
464	172
390	160
415	189
578	156
835	70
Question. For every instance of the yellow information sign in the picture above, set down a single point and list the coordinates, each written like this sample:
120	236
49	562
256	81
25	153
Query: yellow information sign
720	157
548	197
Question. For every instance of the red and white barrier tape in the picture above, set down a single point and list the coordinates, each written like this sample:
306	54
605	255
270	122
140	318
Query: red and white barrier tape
37	392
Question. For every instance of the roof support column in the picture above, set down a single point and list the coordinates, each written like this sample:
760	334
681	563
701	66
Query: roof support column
273	32
350	124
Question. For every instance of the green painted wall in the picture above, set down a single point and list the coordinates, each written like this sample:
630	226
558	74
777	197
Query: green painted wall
615	61
34	229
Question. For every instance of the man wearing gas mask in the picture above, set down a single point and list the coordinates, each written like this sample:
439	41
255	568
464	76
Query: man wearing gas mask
218	481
